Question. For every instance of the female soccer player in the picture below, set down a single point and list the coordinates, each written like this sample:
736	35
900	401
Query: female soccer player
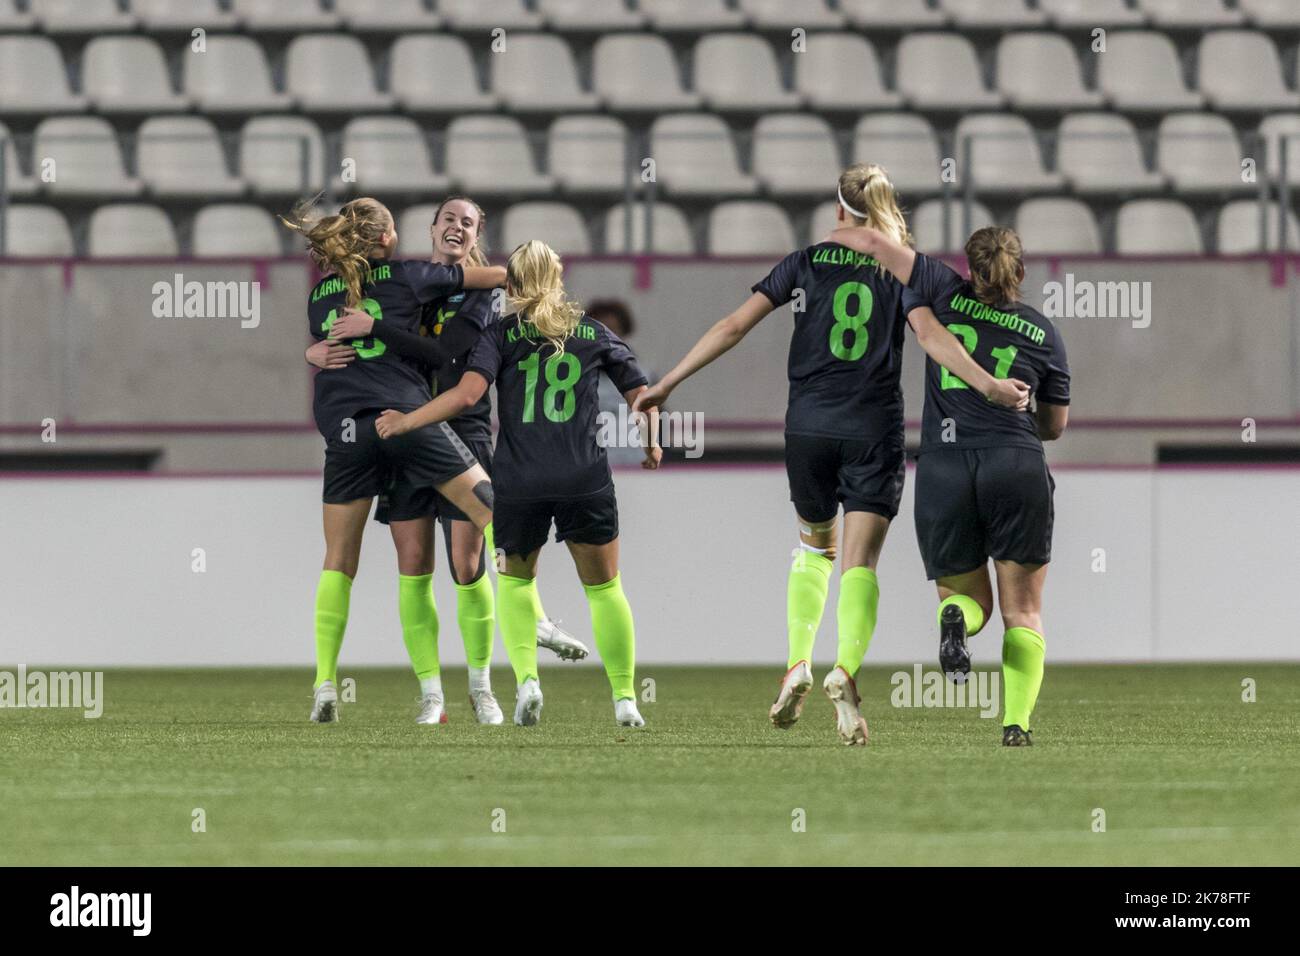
843	428
546	360
983	489
449	329
355	249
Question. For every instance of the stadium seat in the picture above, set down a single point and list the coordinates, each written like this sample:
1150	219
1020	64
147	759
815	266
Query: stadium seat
1087	14
391	155
33	80
795	154
331	73
36	232
232	77
1273	130
785	15
586	16
940	71
129	230
385	16
993	14
430	73
738	71
86	157
16	182
690	15
695	156
1140	72
1004	154
167	15
1238	229
12	19
1199	153
1038	71
840	71
670	232
748	227
893	14
536	73
588	155
1157	227
1241	70
637	72
1057	226
413	239
1099	153
284	16
129	75
1272	14
80	16
491	155
182	156
822	221
488	15
277	152
557	224
905	145
927	225
236	229
1190	13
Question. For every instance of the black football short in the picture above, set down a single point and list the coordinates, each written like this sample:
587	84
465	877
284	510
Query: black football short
827	472
406	467
981	503
520	527
438	506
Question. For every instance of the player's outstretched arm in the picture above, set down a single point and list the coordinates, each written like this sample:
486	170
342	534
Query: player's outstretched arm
484	277
942	346
354	324
449	404
894	256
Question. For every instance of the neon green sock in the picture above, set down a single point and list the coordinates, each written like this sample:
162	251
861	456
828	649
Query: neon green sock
476	615
611	622
419	619
516	598
859	598
970	610
333	594
805	600
1022	674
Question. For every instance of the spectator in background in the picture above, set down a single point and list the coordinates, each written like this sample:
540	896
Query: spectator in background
617	317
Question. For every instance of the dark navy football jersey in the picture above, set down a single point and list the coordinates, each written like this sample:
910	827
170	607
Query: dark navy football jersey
846	350
395	292
457	321
547	405
1009	341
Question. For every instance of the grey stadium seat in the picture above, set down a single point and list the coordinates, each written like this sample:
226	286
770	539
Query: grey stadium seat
1075	14
555	223
993	14
17	183
670	231
33	80
905	145
841	71
1272	14
331	73
236	229
491	155
1273	130
695	156
129	75
1190	13
927	225
432	73
80	16
1140	72
1004	156
588	155
232	76
169	15
1157	227
182	156
391	155
87	158
413	238
1099	153
739	71
748	227
893	14
1041	71
288	16
1057	226
588	15
537	73
691	15
277	152
822	221
788	14
940	71
36	232
638	72
386	16
127	230
488	14
1241	70
795	155
1238	229
12	19
1199	153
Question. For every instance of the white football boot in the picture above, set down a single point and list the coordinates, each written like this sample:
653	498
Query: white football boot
789	702
843	693
486	708
431	710
528	703
325	704
626	714
566	647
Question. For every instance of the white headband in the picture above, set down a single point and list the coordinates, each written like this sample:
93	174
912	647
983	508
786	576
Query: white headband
847	207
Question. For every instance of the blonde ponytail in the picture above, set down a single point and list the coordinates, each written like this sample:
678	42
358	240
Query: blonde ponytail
343	243
869	197
995	257
535	288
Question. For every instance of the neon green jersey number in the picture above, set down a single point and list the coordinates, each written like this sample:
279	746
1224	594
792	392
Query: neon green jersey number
970	338
850	322
1005	356
558	401
364	351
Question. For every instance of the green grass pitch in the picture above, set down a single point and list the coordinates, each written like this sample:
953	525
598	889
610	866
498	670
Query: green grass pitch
1185	771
